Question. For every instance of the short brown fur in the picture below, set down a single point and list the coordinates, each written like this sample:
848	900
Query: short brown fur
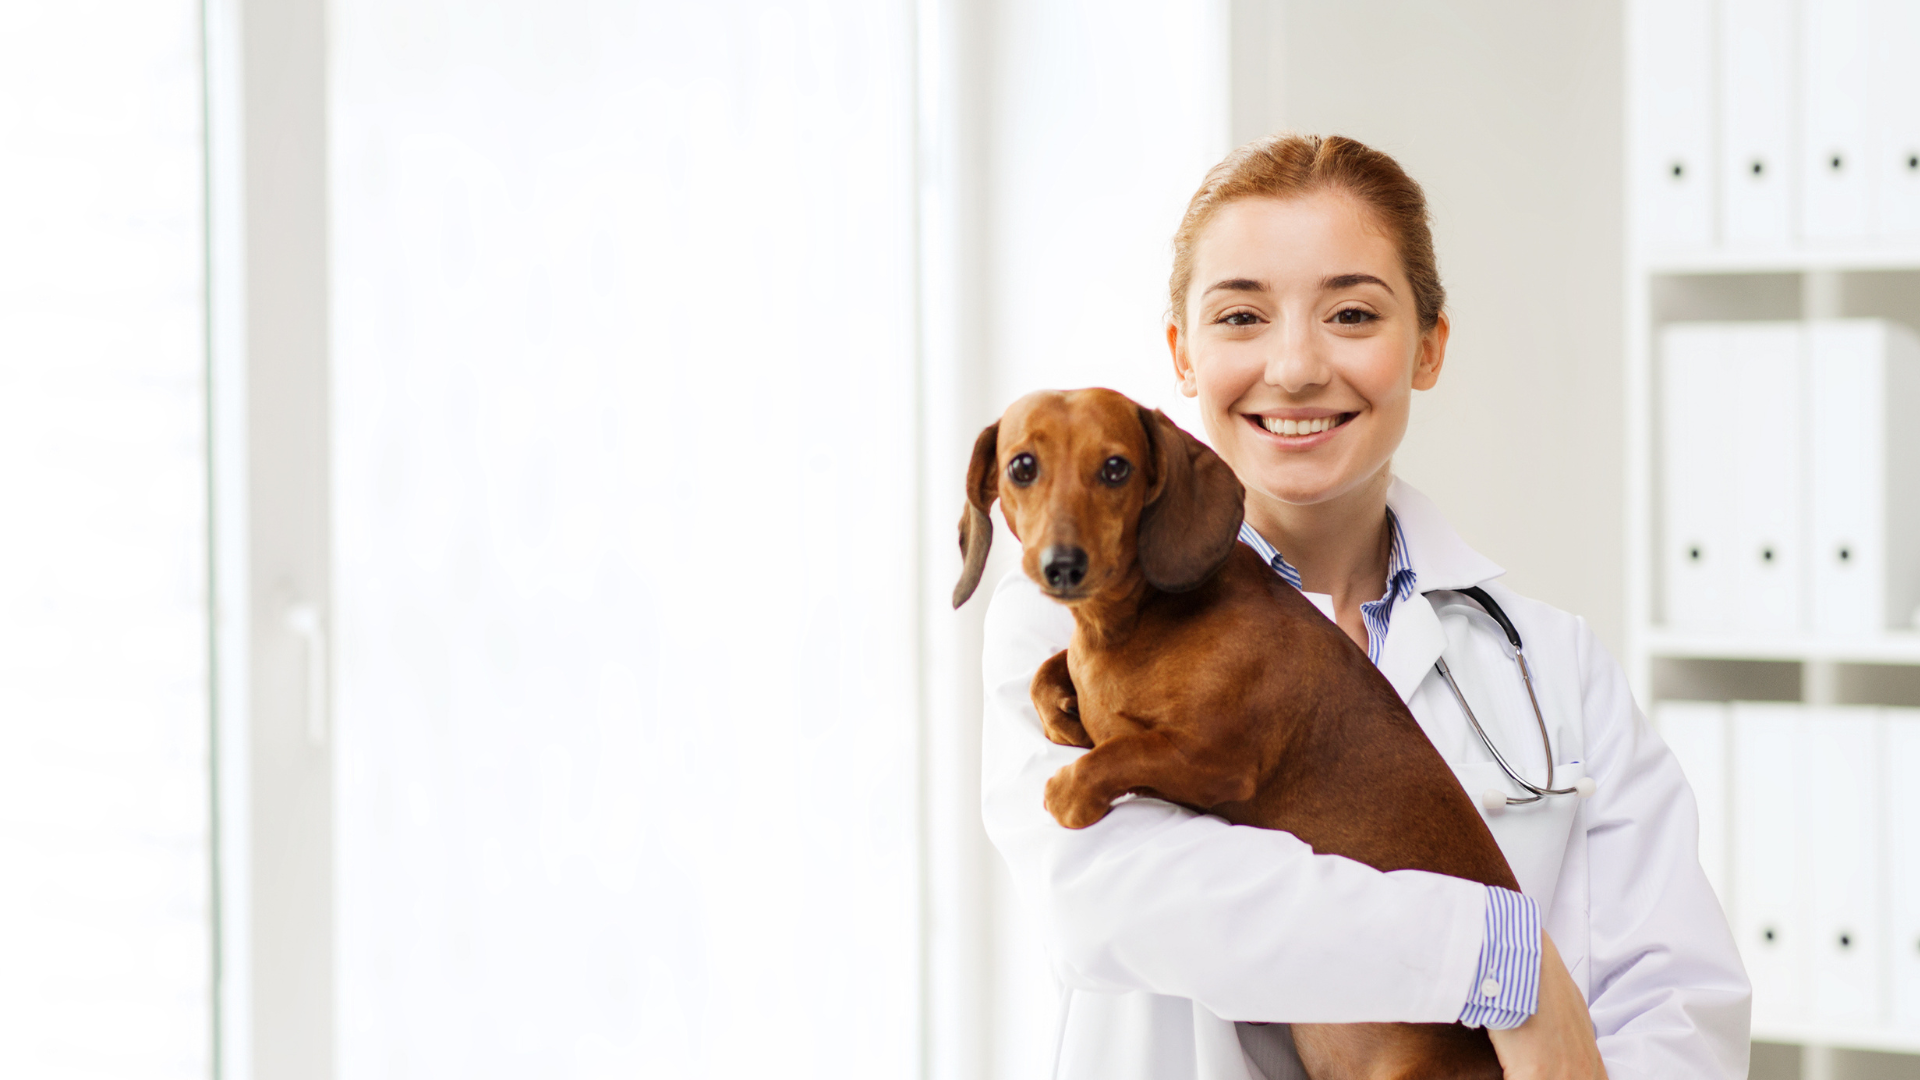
1197	675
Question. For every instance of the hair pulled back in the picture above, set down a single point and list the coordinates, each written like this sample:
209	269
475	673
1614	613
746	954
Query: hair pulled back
1284	166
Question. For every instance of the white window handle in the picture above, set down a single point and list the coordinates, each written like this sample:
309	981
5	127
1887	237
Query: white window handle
303	620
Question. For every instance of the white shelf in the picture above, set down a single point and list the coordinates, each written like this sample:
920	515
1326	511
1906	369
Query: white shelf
1784	261
1890	648
1885	1040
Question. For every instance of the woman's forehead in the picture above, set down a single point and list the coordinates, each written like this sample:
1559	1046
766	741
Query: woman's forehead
1312	237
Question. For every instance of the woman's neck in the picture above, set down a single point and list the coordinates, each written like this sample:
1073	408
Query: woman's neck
1340	547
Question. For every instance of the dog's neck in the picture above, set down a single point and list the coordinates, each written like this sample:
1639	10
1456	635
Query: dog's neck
1108	618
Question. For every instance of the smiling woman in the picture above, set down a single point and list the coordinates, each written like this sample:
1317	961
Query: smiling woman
1306	311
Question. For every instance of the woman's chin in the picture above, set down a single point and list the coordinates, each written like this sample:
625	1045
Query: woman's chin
1298	487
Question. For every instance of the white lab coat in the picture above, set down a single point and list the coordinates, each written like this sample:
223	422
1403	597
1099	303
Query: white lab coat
1165	926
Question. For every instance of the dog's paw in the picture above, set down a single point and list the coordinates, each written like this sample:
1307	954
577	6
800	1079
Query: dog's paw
1064	728
1072	805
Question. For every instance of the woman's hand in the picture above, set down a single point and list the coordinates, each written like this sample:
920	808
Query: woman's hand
1556	1042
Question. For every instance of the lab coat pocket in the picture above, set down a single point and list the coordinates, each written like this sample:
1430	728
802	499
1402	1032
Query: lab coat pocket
1533	836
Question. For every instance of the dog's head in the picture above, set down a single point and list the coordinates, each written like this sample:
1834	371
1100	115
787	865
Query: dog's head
1091	484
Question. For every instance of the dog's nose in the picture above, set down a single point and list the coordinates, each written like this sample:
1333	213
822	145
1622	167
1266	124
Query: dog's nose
1063	567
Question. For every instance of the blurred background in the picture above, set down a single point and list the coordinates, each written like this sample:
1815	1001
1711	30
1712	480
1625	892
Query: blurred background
480	478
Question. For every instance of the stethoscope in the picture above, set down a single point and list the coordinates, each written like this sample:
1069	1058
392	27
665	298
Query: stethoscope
1493	799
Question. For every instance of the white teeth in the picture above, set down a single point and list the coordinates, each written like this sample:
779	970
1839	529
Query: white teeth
1298	427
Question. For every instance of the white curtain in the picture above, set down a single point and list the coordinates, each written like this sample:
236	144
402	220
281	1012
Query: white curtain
105	910
624	508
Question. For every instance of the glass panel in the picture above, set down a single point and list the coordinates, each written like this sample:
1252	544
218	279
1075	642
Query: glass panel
105	916
624	504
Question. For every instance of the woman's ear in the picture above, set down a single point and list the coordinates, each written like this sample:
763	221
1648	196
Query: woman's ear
1182	364
1192	517
976	528
1432	355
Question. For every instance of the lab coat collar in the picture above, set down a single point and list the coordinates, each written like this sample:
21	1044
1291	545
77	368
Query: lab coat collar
1440	560
1438	555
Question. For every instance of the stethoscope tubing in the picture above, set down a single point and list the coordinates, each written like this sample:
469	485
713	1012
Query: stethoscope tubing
1536	792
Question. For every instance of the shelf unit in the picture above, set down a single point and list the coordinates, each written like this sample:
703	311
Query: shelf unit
1752	130
1730	286
1664	288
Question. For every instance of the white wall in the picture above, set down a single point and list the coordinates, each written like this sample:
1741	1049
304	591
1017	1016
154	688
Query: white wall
1104	118
624	376
1509	113
106	907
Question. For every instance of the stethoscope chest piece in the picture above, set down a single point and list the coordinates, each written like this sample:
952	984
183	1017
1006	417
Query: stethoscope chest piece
1493	800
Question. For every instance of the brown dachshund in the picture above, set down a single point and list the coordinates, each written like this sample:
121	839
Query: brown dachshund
1198	675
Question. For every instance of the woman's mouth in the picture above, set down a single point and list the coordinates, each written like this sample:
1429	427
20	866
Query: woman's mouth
1301	428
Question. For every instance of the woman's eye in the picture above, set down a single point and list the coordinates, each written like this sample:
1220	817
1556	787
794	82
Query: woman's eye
1115	470
1240	318
1353	316
1022	469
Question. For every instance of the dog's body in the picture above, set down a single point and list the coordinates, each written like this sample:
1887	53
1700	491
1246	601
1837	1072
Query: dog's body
1197	675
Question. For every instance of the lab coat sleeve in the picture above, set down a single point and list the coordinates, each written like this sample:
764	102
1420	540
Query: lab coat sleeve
1248	922
1666	988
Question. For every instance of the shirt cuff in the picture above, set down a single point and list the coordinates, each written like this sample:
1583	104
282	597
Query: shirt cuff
1506	983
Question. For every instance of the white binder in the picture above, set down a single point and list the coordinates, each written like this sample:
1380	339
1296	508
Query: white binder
1696	478
1696	732
1768	910
1864	453
1902	765
1836	162
1843	847
1672	118
1895	30
1767	393
1756	76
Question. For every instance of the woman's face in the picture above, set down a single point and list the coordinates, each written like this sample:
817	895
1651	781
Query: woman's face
1303	345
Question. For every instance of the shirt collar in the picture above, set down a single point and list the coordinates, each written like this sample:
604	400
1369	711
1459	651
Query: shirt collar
1401	576
1425	547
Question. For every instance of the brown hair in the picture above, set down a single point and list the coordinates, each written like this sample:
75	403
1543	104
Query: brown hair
1287	166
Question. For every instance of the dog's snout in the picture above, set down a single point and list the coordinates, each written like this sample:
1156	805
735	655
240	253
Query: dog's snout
1064	567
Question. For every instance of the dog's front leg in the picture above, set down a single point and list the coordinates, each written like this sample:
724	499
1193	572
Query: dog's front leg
1058	703
1152	762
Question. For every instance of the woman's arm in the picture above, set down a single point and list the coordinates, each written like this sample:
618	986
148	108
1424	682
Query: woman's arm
1248	922
1666	988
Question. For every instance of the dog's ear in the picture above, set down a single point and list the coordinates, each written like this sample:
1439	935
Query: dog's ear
976	528
1194	506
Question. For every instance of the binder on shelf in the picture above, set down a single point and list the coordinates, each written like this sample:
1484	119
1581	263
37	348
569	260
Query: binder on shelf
1672	111
1836	166
1895	32
1843	848
1767	915
1864	455
1697	465
1767	422
1902	764
1756	122
1696	732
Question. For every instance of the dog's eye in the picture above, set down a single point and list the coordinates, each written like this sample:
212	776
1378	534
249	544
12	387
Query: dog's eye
1022	469
1116	470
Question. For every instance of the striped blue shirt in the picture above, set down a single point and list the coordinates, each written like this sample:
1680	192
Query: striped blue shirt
1377	613
1506	982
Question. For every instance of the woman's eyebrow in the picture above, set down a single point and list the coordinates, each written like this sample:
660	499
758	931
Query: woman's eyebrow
1239	284
1348	281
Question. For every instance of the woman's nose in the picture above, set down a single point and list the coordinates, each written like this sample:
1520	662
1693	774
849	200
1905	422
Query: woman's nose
1294	363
